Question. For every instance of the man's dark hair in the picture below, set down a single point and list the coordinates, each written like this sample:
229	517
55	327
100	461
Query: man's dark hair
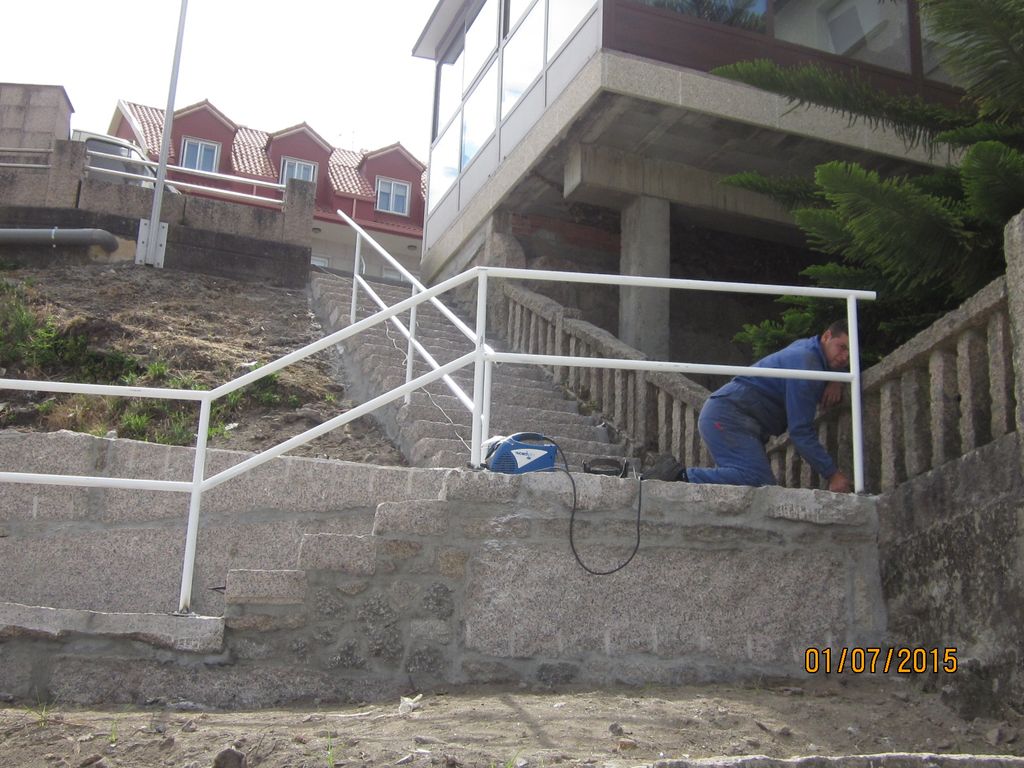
839	328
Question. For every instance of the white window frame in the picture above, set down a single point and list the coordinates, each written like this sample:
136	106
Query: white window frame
297	161
202	144
408	195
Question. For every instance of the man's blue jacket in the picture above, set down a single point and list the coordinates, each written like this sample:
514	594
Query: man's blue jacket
781	404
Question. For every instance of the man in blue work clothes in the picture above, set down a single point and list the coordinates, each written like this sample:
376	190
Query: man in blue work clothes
737	420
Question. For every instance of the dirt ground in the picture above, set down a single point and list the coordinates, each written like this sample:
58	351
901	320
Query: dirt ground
518	727
211	329
206	330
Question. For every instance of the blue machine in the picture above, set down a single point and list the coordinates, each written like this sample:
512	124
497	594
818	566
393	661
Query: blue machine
520	453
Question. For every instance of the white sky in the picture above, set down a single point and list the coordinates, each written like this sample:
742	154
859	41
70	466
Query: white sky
343	66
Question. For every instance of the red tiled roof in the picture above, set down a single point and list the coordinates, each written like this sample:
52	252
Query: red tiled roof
249	152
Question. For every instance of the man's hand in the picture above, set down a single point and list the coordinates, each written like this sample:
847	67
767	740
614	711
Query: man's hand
832	395
839	483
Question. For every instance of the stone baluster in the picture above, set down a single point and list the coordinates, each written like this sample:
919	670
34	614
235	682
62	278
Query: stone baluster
664	422
916	433
677	439
870	434
692	442
573	373
972	383
944	416
891	466
1000	374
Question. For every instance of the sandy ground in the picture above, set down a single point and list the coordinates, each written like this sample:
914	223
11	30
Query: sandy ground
517	727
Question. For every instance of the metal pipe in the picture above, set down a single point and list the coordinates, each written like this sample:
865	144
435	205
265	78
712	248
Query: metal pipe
55	236
411	351
479	395
152	245
192	529
856	409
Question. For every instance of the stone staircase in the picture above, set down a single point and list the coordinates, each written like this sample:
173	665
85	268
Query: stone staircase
434	429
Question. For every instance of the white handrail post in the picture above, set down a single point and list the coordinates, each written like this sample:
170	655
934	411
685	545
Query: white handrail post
485	417
192	532
356	268
412	347
856	407
479	394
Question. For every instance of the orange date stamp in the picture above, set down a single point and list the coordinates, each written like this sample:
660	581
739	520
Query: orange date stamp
876	659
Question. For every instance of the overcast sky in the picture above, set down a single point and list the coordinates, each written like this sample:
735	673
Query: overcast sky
343	66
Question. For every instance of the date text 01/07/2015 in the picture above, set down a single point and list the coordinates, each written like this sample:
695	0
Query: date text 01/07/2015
876	659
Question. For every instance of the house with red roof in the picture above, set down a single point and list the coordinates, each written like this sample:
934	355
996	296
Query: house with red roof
382	190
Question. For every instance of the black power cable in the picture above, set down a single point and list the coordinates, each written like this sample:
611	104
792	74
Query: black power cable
572	518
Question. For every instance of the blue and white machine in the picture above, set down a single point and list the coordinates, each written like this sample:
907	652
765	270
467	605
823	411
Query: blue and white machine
520	453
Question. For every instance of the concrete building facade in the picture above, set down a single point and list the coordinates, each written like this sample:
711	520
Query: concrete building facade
592	132
32	116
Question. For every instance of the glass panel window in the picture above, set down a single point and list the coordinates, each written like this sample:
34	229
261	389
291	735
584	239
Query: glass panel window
866	30
481	40
393	196
449	85
297	169
745	14
480	115
932	51
200	155
563	18
523	59
444	162
516	9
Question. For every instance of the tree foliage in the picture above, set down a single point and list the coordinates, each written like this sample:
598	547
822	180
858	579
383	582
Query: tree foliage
924	243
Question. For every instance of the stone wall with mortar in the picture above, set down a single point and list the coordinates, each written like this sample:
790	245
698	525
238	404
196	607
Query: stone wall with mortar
951	540
950	544
452	577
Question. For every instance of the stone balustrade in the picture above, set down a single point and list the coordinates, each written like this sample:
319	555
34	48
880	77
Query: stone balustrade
651	411
944	393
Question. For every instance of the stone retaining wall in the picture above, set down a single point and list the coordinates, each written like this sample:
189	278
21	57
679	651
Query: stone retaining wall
472	581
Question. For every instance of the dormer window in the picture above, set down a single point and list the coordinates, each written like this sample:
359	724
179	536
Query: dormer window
199	155
297	169
392	196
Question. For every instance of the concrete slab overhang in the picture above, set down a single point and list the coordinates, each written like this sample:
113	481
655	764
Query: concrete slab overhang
626	126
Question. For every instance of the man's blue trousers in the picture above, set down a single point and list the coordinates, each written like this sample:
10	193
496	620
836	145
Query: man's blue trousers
736	442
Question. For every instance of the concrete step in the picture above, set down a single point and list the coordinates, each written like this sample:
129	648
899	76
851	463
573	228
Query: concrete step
379	343
433	429
384	366
441	452
569	440
512	418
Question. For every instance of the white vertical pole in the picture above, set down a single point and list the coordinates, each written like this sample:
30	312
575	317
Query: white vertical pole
479	394
153	241
856	407
412	349
192	532
485	417
356	269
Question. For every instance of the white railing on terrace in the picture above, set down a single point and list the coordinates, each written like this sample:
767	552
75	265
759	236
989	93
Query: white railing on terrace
482	357
8	151
178	184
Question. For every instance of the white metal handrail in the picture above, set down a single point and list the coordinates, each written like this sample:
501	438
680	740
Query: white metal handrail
199	483
178	184
482	357
25	151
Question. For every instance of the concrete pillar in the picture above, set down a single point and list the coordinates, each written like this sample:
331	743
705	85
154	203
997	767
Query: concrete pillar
299	202
643	312
67	167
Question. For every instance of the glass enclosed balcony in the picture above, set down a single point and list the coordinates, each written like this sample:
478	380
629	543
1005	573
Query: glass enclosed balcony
497	55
